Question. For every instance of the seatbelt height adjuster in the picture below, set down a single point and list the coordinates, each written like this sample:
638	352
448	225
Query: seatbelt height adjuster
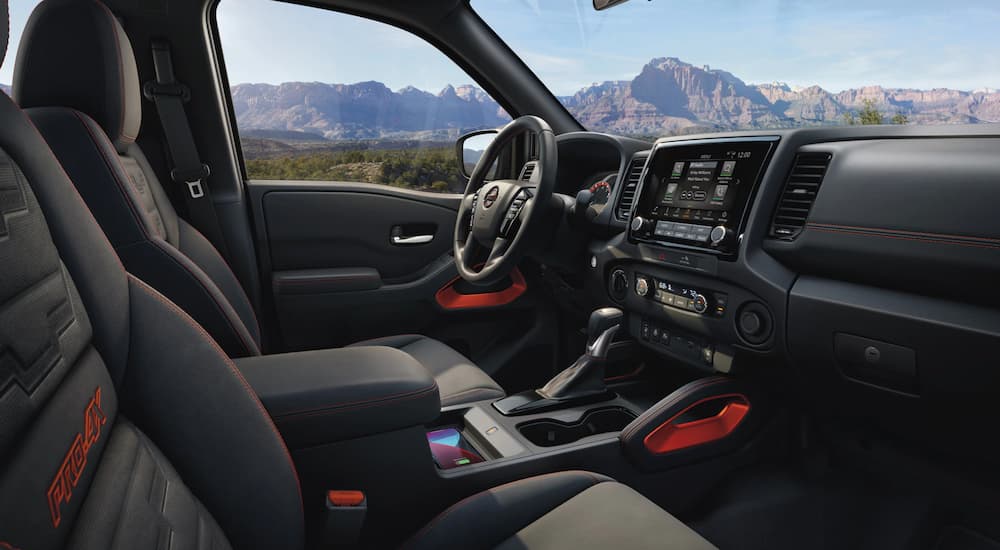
193	179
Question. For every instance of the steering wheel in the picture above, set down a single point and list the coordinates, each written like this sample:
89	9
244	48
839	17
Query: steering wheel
496	218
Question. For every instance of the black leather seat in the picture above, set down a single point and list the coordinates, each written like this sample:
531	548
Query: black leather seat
124	425
76	77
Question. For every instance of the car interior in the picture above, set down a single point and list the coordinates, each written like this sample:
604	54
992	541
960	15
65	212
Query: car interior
543	337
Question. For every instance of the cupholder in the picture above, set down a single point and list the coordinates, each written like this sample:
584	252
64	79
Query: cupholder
551	433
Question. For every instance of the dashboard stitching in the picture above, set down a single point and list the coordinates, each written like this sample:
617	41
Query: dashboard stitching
888	234
923	233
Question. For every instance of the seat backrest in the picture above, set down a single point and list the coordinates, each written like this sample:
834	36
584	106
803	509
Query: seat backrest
76	77
122	424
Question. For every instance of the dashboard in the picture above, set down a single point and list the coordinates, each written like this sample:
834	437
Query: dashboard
864	259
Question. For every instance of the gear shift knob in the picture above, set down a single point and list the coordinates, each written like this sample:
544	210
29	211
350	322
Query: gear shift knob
601	320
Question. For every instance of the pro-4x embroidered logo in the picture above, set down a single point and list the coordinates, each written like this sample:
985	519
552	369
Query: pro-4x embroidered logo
61	490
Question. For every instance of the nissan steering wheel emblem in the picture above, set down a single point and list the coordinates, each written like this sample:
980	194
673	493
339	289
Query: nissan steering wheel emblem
491	196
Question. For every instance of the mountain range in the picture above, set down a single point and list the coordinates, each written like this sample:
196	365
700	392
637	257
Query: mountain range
668	96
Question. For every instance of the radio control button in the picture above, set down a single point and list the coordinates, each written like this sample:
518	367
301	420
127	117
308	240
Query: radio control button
700	304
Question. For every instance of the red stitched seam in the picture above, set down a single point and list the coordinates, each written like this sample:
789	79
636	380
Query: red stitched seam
903	238
235	278
884	230
54	161
232	367
335	409
121	70
208	292
114	175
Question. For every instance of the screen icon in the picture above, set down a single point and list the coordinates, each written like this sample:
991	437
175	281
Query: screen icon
720	192
678	170
728	168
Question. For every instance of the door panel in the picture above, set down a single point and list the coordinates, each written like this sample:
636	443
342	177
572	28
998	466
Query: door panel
339	273
347	229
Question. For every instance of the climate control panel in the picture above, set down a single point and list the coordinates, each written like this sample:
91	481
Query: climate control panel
665	292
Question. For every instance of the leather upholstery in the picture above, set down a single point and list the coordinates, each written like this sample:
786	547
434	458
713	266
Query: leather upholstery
105	385
324	396
75	116
567	510
459	381
96	74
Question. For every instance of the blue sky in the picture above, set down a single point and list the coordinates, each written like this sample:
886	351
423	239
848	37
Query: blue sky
838	45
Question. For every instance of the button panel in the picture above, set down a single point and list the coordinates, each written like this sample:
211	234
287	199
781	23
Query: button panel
702	302
684	345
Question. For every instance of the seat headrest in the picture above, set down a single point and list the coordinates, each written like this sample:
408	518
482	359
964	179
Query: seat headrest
4	30
76	54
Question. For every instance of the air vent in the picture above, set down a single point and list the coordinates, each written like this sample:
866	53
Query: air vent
627	197
527	171
799	194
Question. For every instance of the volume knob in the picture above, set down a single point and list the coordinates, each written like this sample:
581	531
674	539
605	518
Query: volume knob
718	234
638	223
641	286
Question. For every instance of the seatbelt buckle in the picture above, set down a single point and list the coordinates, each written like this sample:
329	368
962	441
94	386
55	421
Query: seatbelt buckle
192	178
345	516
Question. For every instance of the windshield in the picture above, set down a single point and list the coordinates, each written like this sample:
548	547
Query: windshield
667	67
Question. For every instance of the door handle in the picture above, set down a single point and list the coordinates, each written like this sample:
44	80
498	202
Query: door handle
400	240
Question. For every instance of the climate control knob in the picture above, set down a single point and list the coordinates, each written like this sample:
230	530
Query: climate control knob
718	234
700	304
641	286
638	223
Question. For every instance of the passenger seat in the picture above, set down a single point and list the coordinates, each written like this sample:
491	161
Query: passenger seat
77	79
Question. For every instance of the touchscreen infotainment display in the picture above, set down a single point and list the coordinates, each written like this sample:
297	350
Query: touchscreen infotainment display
691	189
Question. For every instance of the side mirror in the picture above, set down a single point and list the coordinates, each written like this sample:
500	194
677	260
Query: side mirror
470	149
605	4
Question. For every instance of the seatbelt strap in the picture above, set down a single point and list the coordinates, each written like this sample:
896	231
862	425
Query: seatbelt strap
188	169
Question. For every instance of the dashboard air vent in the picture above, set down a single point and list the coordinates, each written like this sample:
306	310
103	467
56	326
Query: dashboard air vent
800	192
627	196
527	171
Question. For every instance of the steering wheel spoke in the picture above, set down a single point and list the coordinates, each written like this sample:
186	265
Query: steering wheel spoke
502	212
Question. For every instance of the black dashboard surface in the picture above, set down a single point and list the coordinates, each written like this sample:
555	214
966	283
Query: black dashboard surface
893	266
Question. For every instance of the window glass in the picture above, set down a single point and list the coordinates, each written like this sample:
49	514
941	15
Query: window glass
670	67
19	12
321	95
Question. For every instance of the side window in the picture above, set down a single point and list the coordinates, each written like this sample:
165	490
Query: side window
19	10
321	95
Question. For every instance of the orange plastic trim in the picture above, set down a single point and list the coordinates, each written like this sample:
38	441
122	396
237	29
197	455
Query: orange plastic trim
670	436
345	498
451	299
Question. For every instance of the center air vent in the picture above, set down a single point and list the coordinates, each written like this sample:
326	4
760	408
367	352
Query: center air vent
799	194
527	171
627	196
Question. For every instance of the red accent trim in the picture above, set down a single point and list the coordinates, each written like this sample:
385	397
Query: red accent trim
669	436
451	299
628	376
345	498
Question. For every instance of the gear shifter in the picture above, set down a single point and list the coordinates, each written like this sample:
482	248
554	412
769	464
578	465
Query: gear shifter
583	379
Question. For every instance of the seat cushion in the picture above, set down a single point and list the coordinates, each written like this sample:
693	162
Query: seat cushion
458	379
567	510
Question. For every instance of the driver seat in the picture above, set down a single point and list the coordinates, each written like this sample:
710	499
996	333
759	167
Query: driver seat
76	77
